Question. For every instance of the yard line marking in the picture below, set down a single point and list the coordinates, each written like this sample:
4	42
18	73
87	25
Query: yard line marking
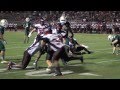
16	47
44	73
114	60
2	69
102	49
9	72
89	74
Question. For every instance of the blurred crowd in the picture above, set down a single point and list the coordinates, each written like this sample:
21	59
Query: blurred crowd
81	21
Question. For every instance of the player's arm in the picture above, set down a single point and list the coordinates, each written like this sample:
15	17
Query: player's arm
115	41
1	36
44	41
76	43
41	52
33	30
37	59
70	30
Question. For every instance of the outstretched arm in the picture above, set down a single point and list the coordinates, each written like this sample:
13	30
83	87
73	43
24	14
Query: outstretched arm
31	32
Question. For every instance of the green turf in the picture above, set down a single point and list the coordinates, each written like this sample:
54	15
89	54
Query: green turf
102	62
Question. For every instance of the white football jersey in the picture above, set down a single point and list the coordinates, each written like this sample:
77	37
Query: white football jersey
33	48
55	41
40	28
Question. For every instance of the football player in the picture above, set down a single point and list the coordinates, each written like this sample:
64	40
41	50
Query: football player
65	25
28	53
115	42
40	27
3	25
27	25
76	47
56	50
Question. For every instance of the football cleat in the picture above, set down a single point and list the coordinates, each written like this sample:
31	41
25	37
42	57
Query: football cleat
81	59
57	71
9	66
50	70
90	52
58	74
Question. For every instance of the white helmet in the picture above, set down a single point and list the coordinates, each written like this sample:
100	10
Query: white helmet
27	19
111	37
63	19
4	23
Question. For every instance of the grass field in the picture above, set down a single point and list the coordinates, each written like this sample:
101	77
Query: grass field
102	64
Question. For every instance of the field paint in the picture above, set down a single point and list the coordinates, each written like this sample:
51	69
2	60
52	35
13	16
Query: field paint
109	61
40	73
28	67
44	73
3	69
103	49
9	72
77	65
98	50
16	47
89	74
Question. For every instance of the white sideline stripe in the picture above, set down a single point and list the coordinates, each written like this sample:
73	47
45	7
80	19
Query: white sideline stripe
13	56
89	74
10	72
2	69
102	49
114	60
43	73
16	47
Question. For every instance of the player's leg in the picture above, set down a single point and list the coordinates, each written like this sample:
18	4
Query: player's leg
83	48
49	61
3	57
26	59
2	52
73	57
27	37
114	48
55	60
12	65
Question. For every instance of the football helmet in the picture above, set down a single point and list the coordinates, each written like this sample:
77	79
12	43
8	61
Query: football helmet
4	23
63	19
110	37
27	19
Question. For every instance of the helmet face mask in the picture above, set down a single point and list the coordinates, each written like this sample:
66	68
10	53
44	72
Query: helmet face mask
4	23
